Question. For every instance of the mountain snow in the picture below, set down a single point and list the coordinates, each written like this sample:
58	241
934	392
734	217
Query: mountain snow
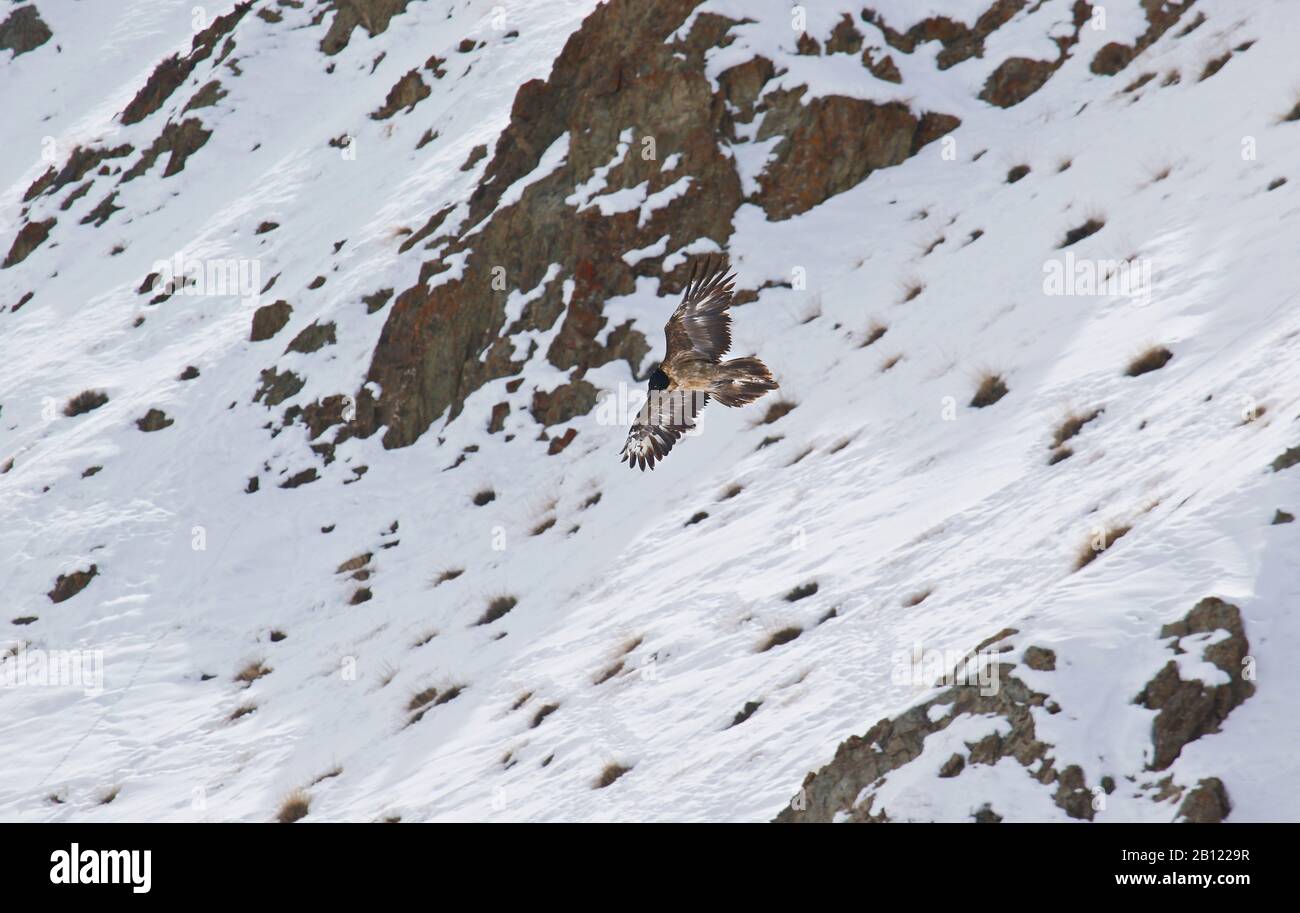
635	634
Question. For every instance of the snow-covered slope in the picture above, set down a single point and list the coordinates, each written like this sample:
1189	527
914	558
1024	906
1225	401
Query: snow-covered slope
263	639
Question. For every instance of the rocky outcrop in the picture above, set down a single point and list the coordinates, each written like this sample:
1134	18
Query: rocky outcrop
1190	709
847	787
563	403
180	140
174	70
82	160
313	337
1017	78
960	42
1161	15
69	585
621	97
23	30
811	166
30	236
408	92
373	15
861	761
269	319
1206	804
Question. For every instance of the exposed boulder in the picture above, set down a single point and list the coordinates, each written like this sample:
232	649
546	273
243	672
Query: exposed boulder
30	236
408	92
603	106
174	70
832	143
563	403
69	585
1190	709
23	30
270	319
180	140
1161	15
373	15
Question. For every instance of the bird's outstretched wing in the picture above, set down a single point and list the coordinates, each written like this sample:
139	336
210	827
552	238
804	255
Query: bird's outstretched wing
701	326
666	416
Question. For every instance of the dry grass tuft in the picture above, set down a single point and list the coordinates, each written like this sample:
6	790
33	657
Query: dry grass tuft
543	526
294	807
1294	114
335	771
1016	173
917	598
420	698
542	713
242	710
449	574
889	363
611	773
497	608
1152	359
801	592
85	401
1214	65
1092	225
1072	425
777	638
776	410
252	672
1098	544
875	330
608	673
912	288
991	388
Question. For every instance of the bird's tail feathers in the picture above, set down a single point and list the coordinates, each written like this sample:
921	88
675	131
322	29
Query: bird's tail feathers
741	381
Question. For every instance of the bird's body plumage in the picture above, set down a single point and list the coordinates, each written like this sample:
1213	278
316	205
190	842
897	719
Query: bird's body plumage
696	337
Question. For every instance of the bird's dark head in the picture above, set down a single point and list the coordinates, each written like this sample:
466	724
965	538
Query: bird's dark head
658	379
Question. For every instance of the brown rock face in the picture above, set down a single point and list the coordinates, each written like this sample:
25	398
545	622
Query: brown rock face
1187	710
1160	14
270	319
23	30
814	161
82	160
174	70
180	140
30	236
373	15
1190	709
563	403
409	91
313	338
1015	79
960	42
861	761
615	78
1206	804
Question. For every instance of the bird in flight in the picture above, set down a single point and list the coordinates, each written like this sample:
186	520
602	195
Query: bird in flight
698	334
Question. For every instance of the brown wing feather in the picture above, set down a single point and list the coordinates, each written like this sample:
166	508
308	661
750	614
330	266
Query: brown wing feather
665	417
700	328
